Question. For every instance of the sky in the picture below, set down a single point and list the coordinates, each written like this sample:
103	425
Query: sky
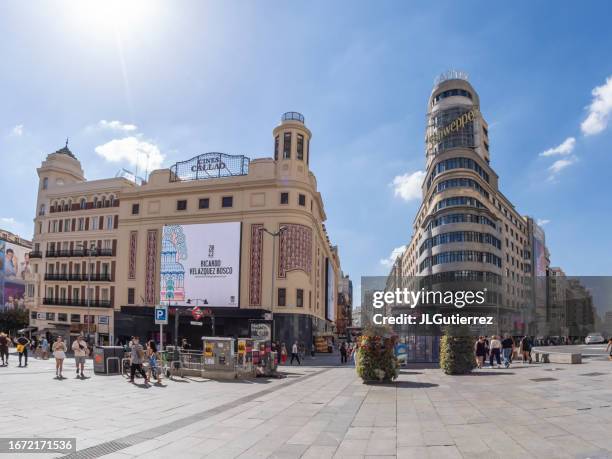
169	80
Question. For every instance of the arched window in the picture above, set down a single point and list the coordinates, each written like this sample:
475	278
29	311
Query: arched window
95	201
42	210
111	200
69	206
45	183
83	203
62	204
104	201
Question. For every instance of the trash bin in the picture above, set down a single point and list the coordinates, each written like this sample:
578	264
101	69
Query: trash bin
101	362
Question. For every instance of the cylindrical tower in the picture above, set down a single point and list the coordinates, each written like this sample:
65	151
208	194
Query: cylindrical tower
292	146
460	239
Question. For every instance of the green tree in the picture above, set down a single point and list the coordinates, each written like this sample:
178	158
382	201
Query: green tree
14	319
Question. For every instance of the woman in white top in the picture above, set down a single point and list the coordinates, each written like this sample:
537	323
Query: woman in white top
59	352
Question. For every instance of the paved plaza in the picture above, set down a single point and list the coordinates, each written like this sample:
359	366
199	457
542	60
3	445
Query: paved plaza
320	410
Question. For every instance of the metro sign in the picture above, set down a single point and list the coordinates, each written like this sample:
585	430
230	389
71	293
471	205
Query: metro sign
196	313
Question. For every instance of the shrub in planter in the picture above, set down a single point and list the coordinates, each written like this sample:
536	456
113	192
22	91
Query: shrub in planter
375	360
457	352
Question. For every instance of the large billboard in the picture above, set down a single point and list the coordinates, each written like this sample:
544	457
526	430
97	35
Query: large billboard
201	262
330	291
14	268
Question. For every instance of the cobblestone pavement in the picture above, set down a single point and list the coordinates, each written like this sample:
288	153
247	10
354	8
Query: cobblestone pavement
320	410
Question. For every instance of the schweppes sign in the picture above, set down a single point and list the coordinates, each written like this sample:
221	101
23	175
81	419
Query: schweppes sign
453	126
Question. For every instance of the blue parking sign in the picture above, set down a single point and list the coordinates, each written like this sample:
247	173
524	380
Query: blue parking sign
161	315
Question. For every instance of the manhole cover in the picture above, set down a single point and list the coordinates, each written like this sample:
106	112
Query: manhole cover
543	379
593	374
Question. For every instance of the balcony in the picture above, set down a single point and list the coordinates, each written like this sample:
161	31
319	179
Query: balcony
78	277
79	253
36	254
293	116
77	303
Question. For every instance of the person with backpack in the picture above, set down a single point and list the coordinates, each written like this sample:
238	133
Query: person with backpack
22	344
80	349
137	357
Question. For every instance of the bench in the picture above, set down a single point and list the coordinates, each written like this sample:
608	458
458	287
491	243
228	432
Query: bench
546	356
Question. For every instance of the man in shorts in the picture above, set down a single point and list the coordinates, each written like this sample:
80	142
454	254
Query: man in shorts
80	349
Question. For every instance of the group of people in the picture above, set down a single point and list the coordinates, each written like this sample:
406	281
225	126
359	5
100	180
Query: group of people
500	349
298	352
22	345
346	352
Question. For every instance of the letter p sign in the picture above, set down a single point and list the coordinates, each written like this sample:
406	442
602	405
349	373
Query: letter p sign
161	315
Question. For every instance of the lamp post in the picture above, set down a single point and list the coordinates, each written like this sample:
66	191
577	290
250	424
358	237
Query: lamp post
91	251
274	235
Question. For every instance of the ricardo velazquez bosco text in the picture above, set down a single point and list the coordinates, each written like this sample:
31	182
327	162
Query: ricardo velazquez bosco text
412	298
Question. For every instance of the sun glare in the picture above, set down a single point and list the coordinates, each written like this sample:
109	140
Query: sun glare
111	14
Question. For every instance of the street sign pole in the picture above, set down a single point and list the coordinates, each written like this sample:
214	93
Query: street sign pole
161	338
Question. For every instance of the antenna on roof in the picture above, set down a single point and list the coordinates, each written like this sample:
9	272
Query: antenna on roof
66	142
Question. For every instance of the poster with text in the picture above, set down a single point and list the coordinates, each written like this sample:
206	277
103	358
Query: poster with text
200	262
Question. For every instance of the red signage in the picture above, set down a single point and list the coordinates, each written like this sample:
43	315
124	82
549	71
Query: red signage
196	313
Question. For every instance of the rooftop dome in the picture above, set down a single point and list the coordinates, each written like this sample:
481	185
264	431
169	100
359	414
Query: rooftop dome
65	151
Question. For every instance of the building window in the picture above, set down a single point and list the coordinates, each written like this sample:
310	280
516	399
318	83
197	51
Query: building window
282	297
109	222
45	183
75	318
181	204
81	224
50	316
204	203
227	201
300	147
284	198
131	295
299	299
135	209
62	317
94	223
276	142
287	145
302	200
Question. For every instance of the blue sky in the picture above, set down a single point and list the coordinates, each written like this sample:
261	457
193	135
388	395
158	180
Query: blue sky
177	79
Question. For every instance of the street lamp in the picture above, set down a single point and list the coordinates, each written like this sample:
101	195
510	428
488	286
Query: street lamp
274	235
92	251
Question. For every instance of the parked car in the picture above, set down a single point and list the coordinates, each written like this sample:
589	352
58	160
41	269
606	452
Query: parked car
594	338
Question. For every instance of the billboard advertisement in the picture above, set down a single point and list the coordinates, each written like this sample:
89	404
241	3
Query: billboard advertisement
330	291
14	268
201	262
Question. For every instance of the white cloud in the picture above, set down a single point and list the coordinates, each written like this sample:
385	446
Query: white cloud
133	151
15	227
564	149
396	252
116	126
542	221
559	165
408	186
599	110
17	131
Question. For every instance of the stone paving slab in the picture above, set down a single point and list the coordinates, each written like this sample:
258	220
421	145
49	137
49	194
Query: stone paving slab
321	412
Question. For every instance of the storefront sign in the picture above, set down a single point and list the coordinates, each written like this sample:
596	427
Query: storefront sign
261	330
210	165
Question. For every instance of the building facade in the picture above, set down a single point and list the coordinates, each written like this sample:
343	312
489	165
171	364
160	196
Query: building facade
114	230
466	231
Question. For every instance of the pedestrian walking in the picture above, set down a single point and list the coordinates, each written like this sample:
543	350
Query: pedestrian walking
480	350
507	350
44	348
80	349
313	350
525	348
59	352
153	357
137	357
608	349
283	354
22	344
4	349
294	353
495	351
343	353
